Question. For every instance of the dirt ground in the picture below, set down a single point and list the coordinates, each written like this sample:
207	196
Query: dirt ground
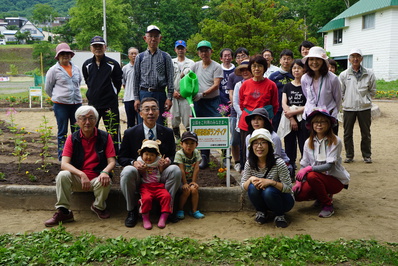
367	210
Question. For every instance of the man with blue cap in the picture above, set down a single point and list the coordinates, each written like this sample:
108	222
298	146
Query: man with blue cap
180	109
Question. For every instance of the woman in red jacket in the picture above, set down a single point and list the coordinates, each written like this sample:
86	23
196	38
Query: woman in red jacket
257	92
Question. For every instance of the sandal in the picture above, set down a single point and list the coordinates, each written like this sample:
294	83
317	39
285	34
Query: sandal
197	214
180	215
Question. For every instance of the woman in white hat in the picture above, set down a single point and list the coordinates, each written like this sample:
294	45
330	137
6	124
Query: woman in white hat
63	86
320	86
266	180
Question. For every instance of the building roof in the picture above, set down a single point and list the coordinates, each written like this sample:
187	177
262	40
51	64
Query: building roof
361	7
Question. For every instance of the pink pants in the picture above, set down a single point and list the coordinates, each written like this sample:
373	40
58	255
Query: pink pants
319	186
151	191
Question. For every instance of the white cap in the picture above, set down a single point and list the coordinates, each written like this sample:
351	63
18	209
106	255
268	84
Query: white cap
151	28
356	51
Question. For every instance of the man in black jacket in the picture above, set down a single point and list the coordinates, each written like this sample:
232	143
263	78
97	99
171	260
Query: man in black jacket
132	140
103	77
87	161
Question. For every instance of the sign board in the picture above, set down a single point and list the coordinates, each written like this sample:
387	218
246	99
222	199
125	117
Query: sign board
4	78
213	132
35	91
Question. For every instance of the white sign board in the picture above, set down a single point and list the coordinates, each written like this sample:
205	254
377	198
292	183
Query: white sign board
38	92
213	133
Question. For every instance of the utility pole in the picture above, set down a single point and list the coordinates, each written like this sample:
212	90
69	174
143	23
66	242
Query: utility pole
104	26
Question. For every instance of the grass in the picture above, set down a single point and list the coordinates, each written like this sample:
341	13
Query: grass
56	246
18	55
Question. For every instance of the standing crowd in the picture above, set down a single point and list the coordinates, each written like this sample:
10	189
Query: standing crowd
272	111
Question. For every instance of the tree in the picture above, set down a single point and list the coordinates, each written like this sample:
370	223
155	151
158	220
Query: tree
253	24
176	19
64	33
12	27
43	13
87	21
316	14
48	52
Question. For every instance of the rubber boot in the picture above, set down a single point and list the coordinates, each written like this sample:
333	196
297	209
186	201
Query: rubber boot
176	131
163	220
146	222
204	163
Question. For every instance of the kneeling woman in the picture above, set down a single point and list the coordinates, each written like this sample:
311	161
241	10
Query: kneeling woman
267	180
321	174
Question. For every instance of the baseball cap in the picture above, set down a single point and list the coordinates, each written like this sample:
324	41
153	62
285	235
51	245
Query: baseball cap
180	43
356	51
204	44
97	40
151	28
189	135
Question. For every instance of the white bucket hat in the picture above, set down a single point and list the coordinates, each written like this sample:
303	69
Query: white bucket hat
261	133
317	52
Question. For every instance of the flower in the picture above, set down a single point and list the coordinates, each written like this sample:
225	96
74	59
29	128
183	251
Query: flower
223	109
27	172
167	114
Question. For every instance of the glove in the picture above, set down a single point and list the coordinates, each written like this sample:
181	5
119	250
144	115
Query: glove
297	187
197	97
303	172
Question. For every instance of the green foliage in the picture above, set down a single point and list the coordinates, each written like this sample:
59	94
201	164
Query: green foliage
87	21
13	69
56	246
48	52
45	139
25	8
254	24
43	13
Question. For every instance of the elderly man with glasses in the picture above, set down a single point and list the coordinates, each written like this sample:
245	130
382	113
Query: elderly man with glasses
87	161
130	178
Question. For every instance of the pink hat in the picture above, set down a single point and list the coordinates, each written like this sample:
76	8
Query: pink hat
63	47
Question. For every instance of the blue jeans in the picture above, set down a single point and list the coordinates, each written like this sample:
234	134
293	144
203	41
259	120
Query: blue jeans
64	113
271	199
161	97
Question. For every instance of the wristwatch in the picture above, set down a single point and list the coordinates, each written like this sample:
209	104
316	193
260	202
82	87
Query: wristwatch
204	94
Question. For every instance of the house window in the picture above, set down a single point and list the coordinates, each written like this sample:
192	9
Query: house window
367	61
368	21
338	36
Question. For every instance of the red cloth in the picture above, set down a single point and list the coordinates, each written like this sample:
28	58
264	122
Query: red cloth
151	191
319	186
90	156
256	94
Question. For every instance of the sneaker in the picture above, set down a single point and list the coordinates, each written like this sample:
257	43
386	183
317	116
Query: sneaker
59	217
237	167
327	211
367	159
101	214
280	221
180	215
260	218
349	160
197	214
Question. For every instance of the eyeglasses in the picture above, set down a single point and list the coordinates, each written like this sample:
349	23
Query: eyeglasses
321	122
241	57
148	109
259	143
89	118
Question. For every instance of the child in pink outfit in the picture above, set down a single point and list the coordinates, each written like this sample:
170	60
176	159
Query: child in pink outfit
151	188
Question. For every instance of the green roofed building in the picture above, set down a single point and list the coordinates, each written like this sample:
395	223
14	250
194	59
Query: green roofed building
370	25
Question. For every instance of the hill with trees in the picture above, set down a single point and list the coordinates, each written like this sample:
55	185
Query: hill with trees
24	8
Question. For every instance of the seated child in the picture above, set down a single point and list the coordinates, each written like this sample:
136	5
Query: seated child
151	188
188	159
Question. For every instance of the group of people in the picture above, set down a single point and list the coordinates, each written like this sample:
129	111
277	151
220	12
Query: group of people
298	102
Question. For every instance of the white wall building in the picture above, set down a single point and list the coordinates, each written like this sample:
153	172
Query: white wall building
370	25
